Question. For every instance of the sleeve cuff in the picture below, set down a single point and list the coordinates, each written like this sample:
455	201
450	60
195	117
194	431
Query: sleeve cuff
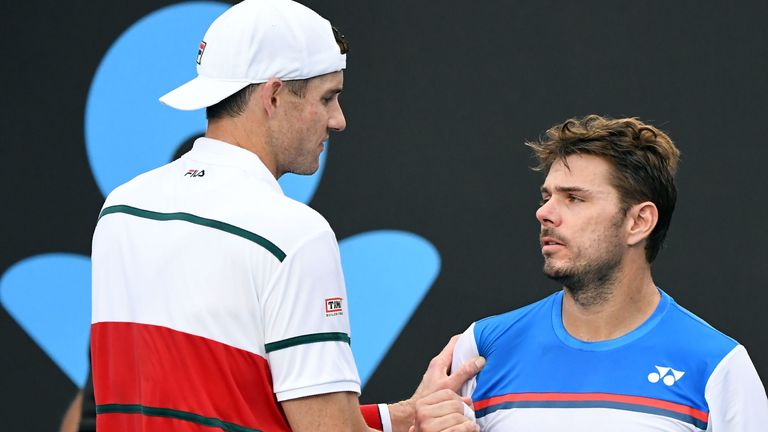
342	386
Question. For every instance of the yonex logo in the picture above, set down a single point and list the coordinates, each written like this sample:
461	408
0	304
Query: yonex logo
667	375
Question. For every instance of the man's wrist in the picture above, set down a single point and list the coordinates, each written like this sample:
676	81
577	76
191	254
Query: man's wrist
401	415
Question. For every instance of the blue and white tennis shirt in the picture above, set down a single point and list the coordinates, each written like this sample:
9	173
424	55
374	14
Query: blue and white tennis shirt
673	373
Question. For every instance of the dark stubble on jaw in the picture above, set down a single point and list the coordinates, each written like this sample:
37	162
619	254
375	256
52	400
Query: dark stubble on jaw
592	283
589	285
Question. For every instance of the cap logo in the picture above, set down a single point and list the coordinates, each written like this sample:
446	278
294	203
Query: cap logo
200	52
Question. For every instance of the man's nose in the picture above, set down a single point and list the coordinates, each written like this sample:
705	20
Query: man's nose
547	214
337	122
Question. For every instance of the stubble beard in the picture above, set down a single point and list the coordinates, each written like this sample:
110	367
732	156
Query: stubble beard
304	168
289	158
590	282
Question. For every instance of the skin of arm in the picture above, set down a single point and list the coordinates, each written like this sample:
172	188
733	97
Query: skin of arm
327	412
71	419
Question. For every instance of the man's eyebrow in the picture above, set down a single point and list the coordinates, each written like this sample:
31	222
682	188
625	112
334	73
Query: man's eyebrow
565	189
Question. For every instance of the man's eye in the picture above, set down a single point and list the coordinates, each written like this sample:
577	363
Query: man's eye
574	198
543	201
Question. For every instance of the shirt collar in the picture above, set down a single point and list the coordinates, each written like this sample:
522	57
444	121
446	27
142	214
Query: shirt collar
645	327
223	153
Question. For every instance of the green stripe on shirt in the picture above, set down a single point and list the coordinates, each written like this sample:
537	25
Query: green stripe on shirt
307	339
172	413
210	223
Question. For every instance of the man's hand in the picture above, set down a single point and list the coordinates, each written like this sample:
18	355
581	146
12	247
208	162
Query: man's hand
436	378
442	411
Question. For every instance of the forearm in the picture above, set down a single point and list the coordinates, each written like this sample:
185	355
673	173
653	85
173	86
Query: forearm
401	415
331	412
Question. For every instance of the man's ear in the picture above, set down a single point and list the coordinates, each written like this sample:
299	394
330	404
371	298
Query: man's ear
268	95
642	219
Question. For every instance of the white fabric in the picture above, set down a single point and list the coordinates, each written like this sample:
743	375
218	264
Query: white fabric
207	298
294	300
386	420
736	396
465	349
256	40
469	412
212	283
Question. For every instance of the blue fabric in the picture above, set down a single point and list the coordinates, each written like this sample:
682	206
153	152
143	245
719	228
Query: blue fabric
529	350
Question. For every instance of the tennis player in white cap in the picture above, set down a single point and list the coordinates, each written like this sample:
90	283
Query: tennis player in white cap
218	302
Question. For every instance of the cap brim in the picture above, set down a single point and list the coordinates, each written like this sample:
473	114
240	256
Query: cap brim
201	92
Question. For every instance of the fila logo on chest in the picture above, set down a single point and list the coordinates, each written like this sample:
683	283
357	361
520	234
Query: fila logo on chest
195	173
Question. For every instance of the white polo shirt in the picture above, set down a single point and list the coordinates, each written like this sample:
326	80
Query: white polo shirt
214	297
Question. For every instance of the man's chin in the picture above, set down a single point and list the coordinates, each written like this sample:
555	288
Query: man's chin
557	274
552	270
305	170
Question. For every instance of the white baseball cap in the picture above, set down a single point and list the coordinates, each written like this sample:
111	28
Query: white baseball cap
256	40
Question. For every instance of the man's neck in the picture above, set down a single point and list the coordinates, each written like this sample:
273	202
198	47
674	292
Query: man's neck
632	298
232	132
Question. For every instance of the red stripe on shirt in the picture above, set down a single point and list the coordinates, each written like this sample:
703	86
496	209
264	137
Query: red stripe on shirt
572	397
141	364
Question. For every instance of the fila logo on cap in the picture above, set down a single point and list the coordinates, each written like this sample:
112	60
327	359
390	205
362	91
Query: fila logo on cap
200	52
667	375
333	307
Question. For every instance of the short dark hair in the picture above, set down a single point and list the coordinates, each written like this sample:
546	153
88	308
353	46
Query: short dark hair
231	106
644	161
235	104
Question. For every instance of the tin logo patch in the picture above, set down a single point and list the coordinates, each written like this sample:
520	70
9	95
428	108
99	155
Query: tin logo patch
333	306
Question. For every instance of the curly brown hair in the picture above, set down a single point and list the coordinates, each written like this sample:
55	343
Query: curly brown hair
643	157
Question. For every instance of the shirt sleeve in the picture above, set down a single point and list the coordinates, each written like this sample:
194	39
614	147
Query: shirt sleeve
465	349
306	322
736	396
